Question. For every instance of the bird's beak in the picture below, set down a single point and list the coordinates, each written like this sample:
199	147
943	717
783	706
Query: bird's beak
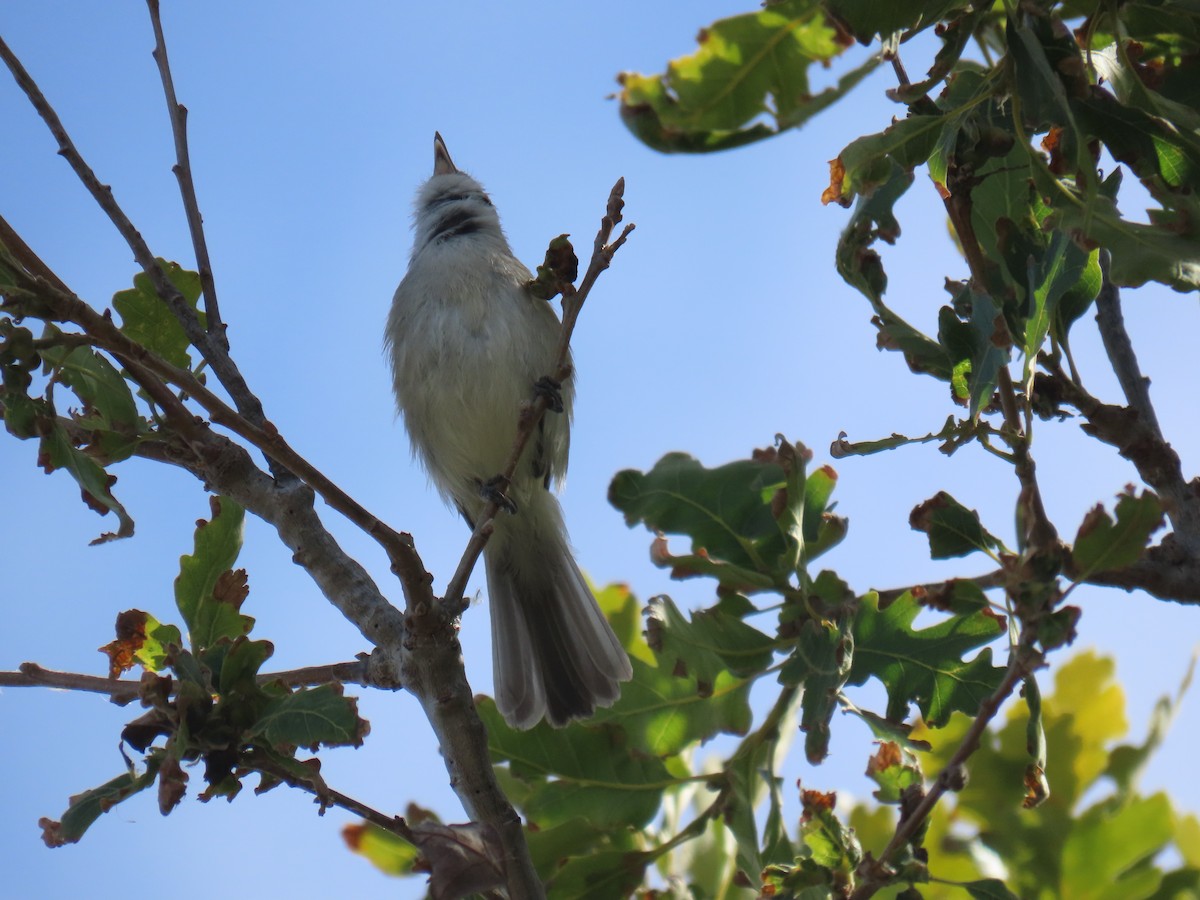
442	163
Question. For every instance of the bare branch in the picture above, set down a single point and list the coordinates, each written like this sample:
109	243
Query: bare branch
123	692
1165	571
1119	347
327	797
145	365
1180	500
220	361
183	173
1168	571
25	256
343	672
434	673
33	675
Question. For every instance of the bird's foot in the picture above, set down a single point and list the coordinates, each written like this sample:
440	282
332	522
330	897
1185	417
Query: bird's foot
550	389
494	490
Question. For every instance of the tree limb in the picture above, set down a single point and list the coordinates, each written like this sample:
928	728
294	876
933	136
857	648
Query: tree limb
187	188
1170	570
106	335
1163	470
418	651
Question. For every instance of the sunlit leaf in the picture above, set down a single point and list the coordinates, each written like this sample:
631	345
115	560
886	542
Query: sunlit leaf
578	771
895	770
388	852
1103	851
663	709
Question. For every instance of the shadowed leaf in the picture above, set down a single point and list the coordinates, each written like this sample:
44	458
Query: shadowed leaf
925	666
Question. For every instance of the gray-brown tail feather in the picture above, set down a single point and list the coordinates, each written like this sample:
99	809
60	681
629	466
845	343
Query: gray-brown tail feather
554	654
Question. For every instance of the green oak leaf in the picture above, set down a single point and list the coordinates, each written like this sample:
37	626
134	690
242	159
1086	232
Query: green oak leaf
147	319
1102	544
732	514
57	451
578	771
208	592
925	666
312	717
747	67
953	529
86	808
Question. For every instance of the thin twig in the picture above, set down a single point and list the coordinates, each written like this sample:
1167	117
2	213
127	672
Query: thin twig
187	187
122	692
329	797
33	675
876	873
529	416
985	582
307	676
141	362
220	361
1119	347
227	468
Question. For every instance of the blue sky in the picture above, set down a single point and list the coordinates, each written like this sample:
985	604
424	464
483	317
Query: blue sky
721	323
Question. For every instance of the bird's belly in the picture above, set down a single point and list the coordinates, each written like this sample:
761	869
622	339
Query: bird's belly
467	383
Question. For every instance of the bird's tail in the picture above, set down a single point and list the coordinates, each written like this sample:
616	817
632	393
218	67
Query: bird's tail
554	654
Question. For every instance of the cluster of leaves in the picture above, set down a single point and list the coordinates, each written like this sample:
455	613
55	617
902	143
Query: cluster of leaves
749	68
605	800
109	421
205	697
1036	209
1013	148
1094	836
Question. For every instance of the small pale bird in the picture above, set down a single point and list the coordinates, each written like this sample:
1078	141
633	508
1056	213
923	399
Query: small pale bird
468	342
